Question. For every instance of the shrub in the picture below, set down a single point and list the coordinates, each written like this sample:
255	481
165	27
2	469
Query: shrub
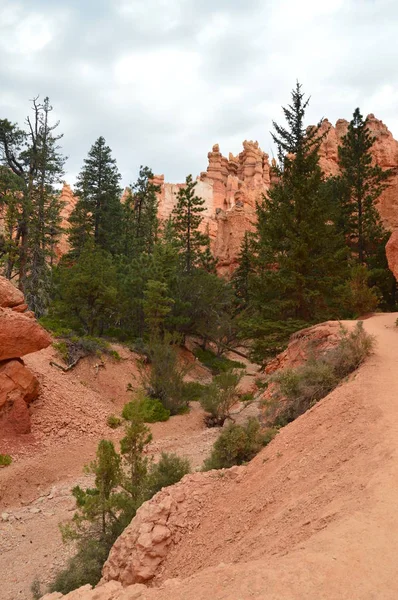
165	379
238	444
217	364
357	297
83	568
57	327
74	347
193	391
299	389
113	421
35	589
220	396
150	410
168	471
5	460
247	398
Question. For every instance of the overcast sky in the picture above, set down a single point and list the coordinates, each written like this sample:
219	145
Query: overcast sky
163	80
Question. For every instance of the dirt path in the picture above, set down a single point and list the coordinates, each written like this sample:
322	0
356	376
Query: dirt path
315	515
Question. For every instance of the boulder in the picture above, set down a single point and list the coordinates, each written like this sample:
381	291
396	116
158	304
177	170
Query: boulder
20	335
10	296
18	388
392	253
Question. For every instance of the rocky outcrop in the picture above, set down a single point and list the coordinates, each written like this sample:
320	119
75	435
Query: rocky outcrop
20	334
385	153
230	188
10	296
159	525
312	340
392	253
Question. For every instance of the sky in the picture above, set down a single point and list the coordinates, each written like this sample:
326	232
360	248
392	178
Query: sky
164	80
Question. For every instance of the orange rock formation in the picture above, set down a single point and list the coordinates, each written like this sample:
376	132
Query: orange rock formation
20	334
231	186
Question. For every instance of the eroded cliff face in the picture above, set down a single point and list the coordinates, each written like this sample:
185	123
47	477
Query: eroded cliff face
231	186
385	152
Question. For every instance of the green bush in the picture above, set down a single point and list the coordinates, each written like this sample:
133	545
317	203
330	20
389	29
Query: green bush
113	421
150	410
219	397
357	297
164	380
168	471
57	327
238	444
247	397
122	483
299	389
217	364
83	568
193	391
5	460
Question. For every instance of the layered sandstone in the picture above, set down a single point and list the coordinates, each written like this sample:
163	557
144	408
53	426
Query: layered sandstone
20	334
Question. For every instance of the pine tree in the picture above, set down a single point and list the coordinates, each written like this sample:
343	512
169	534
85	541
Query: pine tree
362	184
241	276
187	217
33	156
298	250
140	220
207	260
157	306
98	211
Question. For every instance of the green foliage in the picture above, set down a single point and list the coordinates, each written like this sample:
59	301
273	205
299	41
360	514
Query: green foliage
247	398
299	389
358	188
74	347
83	568
63	350
164	380
237	444
5	460
298	252
242	276
87	291
122	483
150	410
57	327
193	391
220	396
217	364
98	212
156	305
31	205
362	183
140	220
114	422
168	471
357	297
186	218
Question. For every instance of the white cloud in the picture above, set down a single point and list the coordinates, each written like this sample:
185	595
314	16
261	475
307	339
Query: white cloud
163	80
